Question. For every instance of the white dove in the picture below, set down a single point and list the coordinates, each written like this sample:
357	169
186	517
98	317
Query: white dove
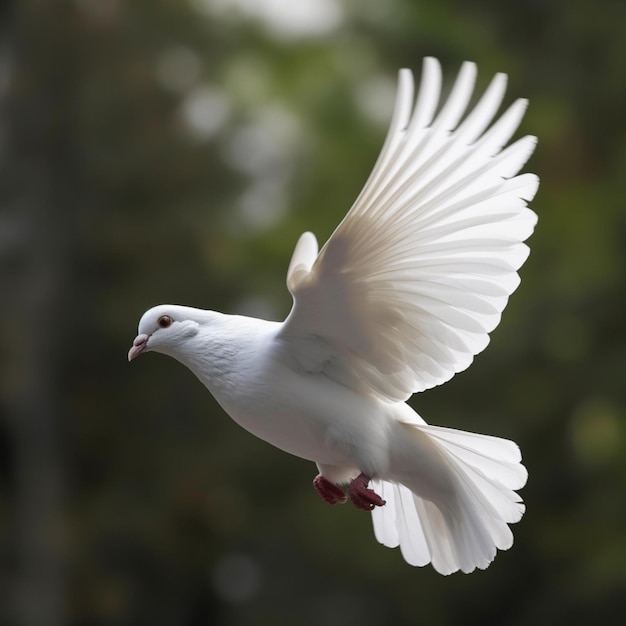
399	299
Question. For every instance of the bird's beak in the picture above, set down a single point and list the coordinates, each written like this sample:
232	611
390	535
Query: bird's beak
139	345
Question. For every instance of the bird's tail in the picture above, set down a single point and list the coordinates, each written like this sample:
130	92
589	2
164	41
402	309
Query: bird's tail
450	501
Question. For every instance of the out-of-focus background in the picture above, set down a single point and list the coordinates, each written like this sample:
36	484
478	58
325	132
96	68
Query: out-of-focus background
172	151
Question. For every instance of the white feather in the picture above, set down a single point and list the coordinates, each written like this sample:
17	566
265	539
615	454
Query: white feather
442	208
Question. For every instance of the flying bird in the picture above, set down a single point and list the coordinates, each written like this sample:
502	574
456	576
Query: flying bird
399	299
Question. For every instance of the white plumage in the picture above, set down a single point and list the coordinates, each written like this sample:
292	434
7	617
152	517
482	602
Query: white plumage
399	299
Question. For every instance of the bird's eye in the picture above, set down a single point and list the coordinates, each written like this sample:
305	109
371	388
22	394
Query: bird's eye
164	321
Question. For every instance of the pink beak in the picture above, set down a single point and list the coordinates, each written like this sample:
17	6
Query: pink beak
139	345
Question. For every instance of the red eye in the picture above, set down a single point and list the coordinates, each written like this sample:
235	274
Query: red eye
165	321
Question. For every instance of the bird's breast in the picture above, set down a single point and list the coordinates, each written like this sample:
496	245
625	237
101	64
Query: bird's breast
307	415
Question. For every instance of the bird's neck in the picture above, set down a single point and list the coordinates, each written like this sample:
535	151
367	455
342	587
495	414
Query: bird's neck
225	351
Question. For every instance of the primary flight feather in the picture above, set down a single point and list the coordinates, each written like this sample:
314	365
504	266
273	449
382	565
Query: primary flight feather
398	300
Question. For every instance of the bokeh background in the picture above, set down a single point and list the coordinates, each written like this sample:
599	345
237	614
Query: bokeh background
172	151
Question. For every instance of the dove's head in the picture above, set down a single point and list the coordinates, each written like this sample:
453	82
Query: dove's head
166	328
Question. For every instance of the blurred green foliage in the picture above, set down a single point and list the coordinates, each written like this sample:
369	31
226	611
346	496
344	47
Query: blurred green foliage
172	151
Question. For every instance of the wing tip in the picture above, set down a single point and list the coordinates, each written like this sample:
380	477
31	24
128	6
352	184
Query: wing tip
302	259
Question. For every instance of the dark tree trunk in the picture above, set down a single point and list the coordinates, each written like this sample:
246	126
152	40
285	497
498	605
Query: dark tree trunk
37	191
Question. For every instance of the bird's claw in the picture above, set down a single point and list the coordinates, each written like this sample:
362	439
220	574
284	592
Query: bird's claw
328	491
362	497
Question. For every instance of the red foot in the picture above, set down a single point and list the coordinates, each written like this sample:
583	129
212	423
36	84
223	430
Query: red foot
361	496
329	492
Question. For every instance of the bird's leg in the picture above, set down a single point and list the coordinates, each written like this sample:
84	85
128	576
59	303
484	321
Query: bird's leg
328	491
361	496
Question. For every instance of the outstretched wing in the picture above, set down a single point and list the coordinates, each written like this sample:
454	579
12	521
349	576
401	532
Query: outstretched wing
406	290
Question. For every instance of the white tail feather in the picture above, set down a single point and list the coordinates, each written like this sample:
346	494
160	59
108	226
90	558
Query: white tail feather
460	522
